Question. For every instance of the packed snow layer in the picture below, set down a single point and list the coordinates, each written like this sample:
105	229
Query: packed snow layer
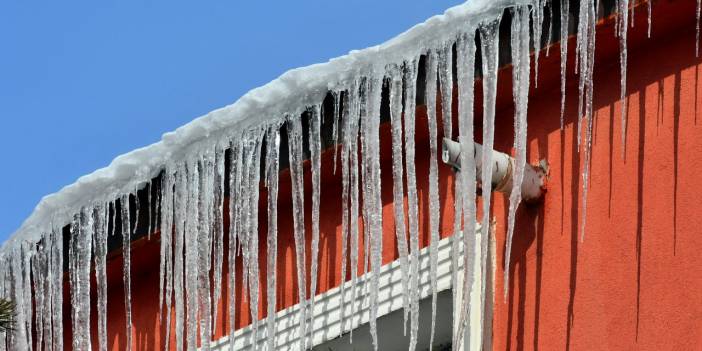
286	95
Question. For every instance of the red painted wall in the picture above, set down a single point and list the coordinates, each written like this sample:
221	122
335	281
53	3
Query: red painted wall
633	283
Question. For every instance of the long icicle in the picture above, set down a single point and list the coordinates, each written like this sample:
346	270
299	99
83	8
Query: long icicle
296	176
489	38
272	169
191	266
373	195
101	215
398	185
521	72
126	267
434	206
345	174
254	275
315	145
236	162
180	207
587	68
57	287
354	197
218	238
623	29
166	210
206	179
465	48
565	16
413	206
166	261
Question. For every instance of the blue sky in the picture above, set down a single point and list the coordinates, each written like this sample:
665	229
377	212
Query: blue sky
82	82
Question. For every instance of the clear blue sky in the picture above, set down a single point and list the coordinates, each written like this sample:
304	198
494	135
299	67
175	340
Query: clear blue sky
82	82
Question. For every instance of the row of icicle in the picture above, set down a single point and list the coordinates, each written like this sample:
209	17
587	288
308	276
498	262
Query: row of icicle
192	197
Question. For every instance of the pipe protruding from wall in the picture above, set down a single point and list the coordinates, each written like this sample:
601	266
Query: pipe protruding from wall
502	170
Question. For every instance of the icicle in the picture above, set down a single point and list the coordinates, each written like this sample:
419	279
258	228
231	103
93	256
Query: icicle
101	214
335	128
565	15
165	229
296	176
137	209
39	275
151	214
372	195
465	48
587	54
205	228
191	255
434	206
126	267
180	198
445	68
521	64
254	176
489	38
57	287
353	193
398	183
631	17
235	171
623	12
167	207
648	4
349	224
697	26
272	169
315	152
537	25
79	271
218	232
20	339
550	27
413	207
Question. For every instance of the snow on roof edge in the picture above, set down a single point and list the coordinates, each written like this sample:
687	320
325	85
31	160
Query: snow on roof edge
294	89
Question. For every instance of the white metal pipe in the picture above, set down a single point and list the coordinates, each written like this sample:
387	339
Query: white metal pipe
532	185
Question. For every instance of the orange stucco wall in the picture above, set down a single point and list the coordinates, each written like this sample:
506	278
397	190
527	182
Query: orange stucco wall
633	283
